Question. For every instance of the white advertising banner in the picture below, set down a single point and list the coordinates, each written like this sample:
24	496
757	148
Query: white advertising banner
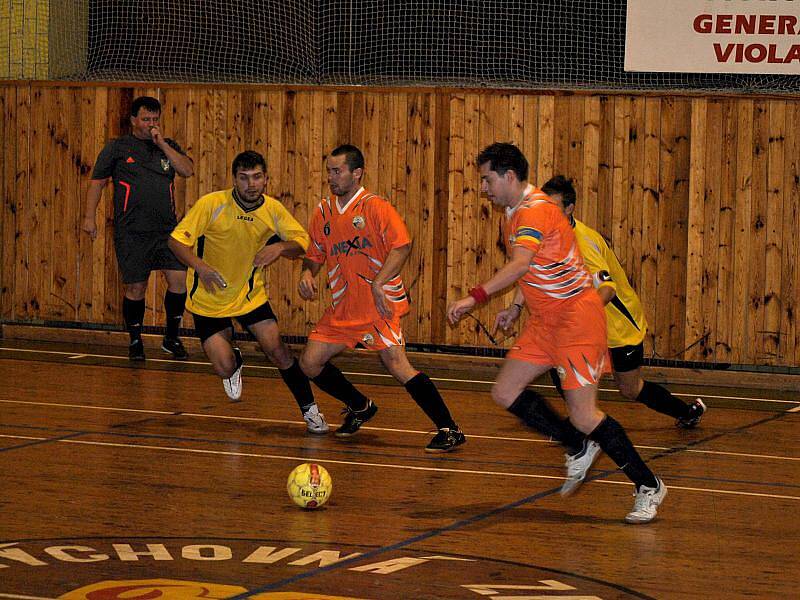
713	36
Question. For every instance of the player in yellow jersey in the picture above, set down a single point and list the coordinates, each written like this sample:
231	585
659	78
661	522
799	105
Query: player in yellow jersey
227	240
624	315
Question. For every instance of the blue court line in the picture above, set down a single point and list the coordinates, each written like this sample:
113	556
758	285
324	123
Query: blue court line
47	441
419	538
482	516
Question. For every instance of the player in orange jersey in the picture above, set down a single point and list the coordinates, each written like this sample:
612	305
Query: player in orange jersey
363	243
566	329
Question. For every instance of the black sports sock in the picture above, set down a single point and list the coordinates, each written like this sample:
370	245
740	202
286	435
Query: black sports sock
430	401
174	305
133	313
556	382
332	381
614	442
298	384
659	399
535	412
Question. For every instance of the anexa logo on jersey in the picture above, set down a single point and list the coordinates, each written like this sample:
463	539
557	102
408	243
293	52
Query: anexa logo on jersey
357	243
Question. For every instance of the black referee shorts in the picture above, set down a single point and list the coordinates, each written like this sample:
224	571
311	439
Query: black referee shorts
627	358
205	327
140	253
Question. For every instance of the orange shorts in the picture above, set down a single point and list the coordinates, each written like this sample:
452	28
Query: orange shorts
573	340
377	335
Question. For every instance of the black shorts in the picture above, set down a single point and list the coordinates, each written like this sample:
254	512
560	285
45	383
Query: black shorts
205	327
627	358
140	253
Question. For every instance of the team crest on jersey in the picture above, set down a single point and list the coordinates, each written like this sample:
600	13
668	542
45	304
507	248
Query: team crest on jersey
562	372
367	340
359	222
511	239
165	164
327	229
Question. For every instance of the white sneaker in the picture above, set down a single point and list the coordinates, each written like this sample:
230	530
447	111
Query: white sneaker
646	502
315	420
578	466
233	384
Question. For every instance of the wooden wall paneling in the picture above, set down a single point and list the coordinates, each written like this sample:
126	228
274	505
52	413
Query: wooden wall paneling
545	140
440	218
426	298
466	332
791	246
663	320
65	206
22	197
650	203
39	223
590	174
561	139
711	199
757	266
294	131
8	216
741	340
85	160
456	185
576	132
725	275
190	142
635	200
775	224
621	157
605	171
696	229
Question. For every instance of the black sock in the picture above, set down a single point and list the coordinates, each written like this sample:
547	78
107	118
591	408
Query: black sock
556	382
659	399
298	384
133	313
430	401
535	412
332	381
614	442
173	306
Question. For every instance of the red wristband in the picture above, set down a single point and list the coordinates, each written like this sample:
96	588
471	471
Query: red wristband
479	294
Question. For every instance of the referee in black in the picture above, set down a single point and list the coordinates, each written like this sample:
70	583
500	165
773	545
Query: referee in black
143	165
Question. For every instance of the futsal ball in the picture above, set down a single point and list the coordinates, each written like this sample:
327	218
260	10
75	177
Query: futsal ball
309	485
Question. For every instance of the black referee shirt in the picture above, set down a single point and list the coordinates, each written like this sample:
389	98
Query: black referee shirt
143	184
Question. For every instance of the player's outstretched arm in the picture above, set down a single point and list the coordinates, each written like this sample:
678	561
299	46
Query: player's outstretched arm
391	267
272	252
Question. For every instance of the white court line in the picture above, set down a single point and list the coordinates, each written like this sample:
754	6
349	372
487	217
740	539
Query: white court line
402	467
20	597
385	375
371	428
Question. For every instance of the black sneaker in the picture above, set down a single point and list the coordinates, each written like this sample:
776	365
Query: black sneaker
696	411
446	440
175	347
136	350
354	419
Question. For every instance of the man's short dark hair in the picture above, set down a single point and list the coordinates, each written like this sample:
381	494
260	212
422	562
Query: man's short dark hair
563	187
249	159
148	103
353	156
504	157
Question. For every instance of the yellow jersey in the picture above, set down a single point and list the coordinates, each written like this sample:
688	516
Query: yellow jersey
624	314
227	237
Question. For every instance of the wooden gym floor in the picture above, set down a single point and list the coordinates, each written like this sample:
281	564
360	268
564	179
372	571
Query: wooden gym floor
140	482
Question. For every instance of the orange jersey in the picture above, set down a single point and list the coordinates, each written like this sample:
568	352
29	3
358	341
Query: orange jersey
557	273
353	243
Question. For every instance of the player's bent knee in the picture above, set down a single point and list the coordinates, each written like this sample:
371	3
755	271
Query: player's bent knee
503	395
309	367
